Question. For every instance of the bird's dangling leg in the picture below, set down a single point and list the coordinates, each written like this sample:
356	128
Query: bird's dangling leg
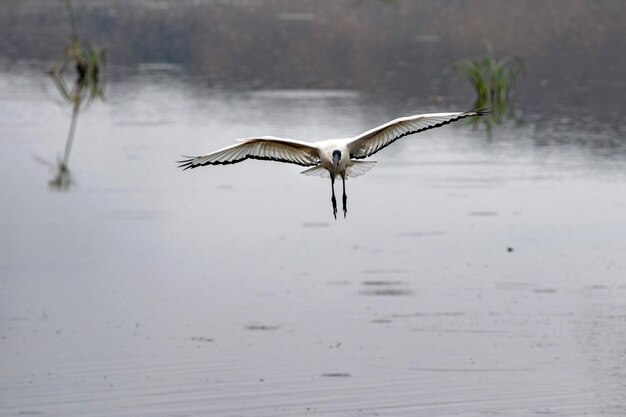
345	197
333	199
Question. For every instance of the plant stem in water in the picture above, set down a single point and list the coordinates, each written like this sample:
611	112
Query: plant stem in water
70	136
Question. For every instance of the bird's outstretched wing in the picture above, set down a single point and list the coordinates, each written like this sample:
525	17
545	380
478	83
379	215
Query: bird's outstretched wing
372	141
265	148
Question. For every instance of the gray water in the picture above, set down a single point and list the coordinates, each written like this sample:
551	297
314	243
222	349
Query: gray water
471	276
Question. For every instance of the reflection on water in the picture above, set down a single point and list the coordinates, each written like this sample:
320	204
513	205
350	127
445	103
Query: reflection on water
337	375
264	327
62	181
151	292
385	288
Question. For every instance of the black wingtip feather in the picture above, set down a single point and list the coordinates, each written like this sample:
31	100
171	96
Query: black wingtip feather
186	163
479	111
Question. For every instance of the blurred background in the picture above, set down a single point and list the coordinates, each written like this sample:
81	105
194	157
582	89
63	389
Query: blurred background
480	269
572	49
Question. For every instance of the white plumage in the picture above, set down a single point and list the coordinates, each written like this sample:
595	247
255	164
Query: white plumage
327	158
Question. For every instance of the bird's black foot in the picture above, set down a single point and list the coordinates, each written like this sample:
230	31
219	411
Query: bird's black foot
345	206
334	200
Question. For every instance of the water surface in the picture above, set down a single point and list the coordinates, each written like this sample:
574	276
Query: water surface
471	277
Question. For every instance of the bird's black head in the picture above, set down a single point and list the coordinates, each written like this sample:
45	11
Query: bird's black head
336	156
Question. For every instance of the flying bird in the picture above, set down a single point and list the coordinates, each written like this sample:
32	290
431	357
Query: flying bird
330	158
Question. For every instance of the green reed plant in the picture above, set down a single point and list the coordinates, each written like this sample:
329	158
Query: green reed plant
88	85
493	80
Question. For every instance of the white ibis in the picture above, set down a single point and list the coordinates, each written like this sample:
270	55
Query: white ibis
327	158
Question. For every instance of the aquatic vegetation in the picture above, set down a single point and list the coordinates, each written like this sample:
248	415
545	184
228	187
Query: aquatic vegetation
62	180
493	80
88	85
